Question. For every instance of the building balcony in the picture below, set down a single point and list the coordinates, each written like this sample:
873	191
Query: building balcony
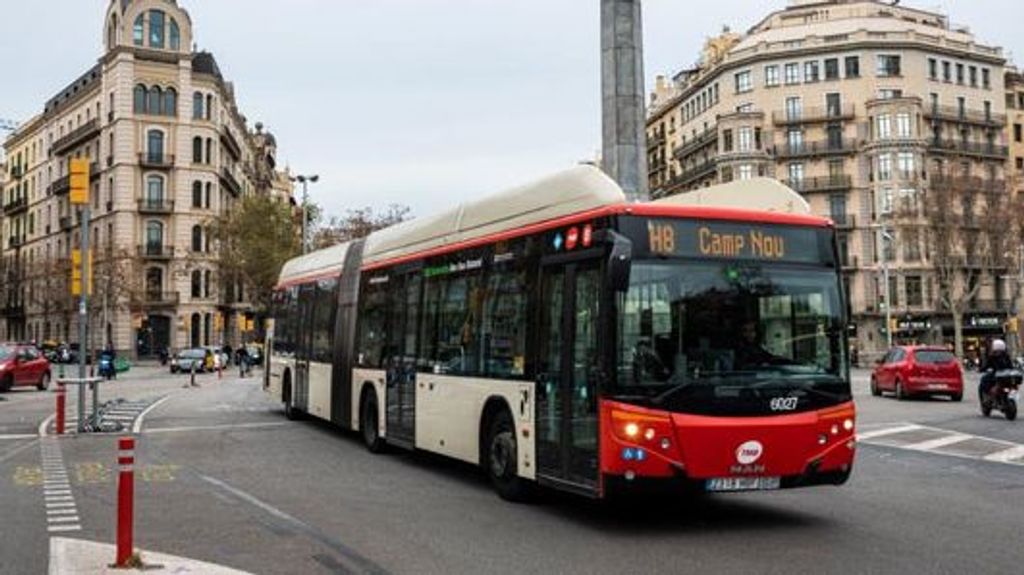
152	299
844	221
85	132
701	170
156	251
153	161
657	139
965	116
978	149
16	206
813	115
15	242
708	137
66	225
230	143
13	310
816	149
17	172
820	184
61	186
230	182
156	206
944	181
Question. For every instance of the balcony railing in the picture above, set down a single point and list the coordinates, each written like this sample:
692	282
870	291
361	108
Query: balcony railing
844	220
65	223
707	137
965	115
813	115
61	186
155	298
968	148
156	206
156	251
17	172
231	143
821	184
14	309
156	161
816	148
16	206
656	139
81	134
229	181
704	169
944	181
15	242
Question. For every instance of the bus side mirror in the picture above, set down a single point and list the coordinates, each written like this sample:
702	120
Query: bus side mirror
620	261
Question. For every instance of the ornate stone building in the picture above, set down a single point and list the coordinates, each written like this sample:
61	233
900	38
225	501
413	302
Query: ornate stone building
170	152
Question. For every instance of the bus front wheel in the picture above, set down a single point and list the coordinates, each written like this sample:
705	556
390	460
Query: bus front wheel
368	423
502	462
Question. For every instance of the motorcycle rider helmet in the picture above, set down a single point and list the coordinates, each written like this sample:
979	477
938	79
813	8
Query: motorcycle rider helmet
998	345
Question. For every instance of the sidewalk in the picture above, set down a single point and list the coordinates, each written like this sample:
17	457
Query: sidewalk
76	557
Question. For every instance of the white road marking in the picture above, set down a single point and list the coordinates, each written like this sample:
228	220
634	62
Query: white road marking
56	505
250	499
61	511
865	435
64	519
1006	455
46	424
216	427
137	427
63	528
938	442
16	436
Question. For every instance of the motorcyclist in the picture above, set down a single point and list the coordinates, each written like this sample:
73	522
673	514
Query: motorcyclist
996	360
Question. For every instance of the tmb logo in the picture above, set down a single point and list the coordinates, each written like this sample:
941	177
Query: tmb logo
749	452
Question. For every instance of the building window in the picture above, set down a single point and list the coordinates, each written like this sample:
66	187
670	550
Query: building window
154	190
973	74
197	239
140	99
771	75
834	104
156	29
209	188
745	139
170	102
154	239
832	69
986	78
884	126
796	174
837	208
1020	164
139	31
852	66
888	66
197	150
915	294
884	168
209	151
933	68
947	72
792	73
197	106
794	108
197	284
811	71
726	141
175	35
1018	133
795	140
156	96
960	74
197	194
206	284
905	163
903	125
155	146
743	83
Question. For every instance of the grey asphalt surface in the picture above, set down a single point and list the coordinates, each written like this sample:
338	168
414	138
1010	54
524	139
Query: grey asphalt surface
223	477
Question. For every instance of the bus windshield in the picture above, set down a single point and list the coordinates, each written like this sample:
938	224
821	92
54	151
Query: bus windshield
731	338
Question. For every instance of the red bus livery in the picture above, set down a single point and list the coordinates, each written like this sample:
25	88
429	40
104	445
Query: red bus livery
557	334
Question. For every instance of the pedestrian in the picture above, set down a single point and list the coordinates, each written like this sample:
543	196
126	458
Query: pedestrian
243	362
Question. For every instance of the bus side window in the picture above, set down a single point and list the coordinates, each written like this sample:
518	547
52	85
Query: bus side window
373	317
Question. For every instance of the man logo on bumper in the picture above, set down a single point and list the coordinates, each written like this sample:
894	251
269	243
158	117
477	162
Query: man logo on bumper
749	452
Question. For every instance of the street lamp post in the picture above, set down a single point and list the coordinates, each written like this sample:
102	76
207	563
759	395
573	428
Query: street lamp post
890	240
305	181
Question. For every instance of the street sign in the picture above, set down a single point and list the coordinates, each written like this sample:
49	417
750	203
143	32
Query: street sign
79	180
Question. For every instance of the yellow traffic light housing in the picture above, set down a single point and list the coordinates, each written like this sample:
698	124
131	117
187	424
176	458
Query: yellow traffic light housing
79	181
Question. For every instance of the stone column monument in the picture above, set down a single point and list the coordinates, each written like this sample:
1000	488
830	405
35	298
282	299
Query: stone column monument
624	149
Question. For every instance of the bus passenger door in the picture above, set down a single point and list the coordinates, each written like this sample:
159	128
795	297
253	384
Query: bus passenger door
304	347
567	437
401	365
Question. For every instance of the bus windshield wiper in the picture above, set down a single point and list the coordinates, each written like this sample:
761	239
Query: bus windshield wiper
696	381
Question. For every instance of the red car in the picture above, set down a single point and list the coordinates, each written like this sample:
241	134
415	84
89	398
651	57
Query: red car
23	366
918	370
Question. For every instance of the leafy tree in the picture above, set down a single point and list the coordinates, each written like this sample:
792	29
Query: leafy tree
255	241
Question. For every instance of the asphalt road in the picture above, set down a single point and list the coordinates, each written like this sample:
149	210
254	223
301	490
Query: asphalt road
223	477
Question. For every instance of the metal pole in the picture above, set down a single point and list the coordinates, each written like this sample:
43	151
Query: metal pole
305	215
83	316
888	303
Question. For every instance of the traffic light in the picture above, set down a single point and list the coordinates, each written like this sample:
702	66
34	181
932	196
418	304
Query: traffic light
893	325
79	181
76	273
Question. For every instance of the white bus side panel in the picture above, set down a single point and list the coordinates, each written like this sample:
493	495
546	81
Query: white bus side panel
449	409
320	390
375	377
278	365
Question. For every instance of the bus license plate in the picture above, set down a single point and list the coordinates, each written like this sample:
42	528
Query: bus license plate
742	483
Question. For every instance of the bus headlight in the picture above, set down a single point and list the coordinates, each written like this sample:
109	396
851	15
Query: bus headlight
632	430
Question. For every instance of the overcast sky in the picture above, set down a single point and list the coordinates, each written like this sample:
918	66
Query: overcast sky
421	102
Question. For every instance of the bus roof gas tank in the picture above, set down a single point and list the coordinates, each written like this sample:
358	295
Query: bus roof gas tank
758	194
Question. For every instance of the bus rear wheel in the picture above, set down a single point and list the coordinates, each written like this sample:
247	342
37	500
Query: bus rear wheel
502	459
368	423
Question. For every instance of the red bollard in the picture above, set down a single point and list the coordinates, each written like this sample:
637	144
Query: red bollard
61	402
125	500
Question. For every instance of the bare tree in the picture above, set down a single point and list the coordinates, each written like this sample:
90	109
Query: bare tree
971	226
357	223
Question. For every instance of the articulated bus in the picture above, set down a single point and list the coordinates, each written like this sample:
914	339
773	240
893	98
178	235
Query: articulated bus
557	334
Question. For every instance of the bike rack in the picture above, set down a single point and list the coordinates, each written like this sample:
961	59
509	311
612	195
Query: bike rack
93	424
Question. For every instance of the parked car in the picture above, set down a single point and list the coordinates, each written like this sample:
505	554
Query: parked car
186	359
23	366
918	370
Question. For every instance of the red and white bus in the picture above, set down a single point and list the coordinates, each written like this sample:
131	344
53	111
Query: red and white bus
557	334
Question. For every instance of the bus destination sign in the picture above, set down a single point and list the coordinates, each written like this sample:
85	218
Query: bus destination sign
736	241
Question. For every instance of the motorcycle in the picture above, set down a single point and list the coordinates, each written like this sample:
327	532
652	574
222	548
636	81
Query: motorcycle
106	367
1003	394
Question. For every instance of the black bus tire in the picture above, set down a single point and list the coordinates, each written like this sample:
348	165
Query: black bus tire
286	394
502	462
369	427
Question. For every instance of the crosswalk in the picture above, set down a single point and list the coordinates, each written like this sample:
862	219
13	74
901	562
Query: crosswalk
61	511
914	437
115	416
